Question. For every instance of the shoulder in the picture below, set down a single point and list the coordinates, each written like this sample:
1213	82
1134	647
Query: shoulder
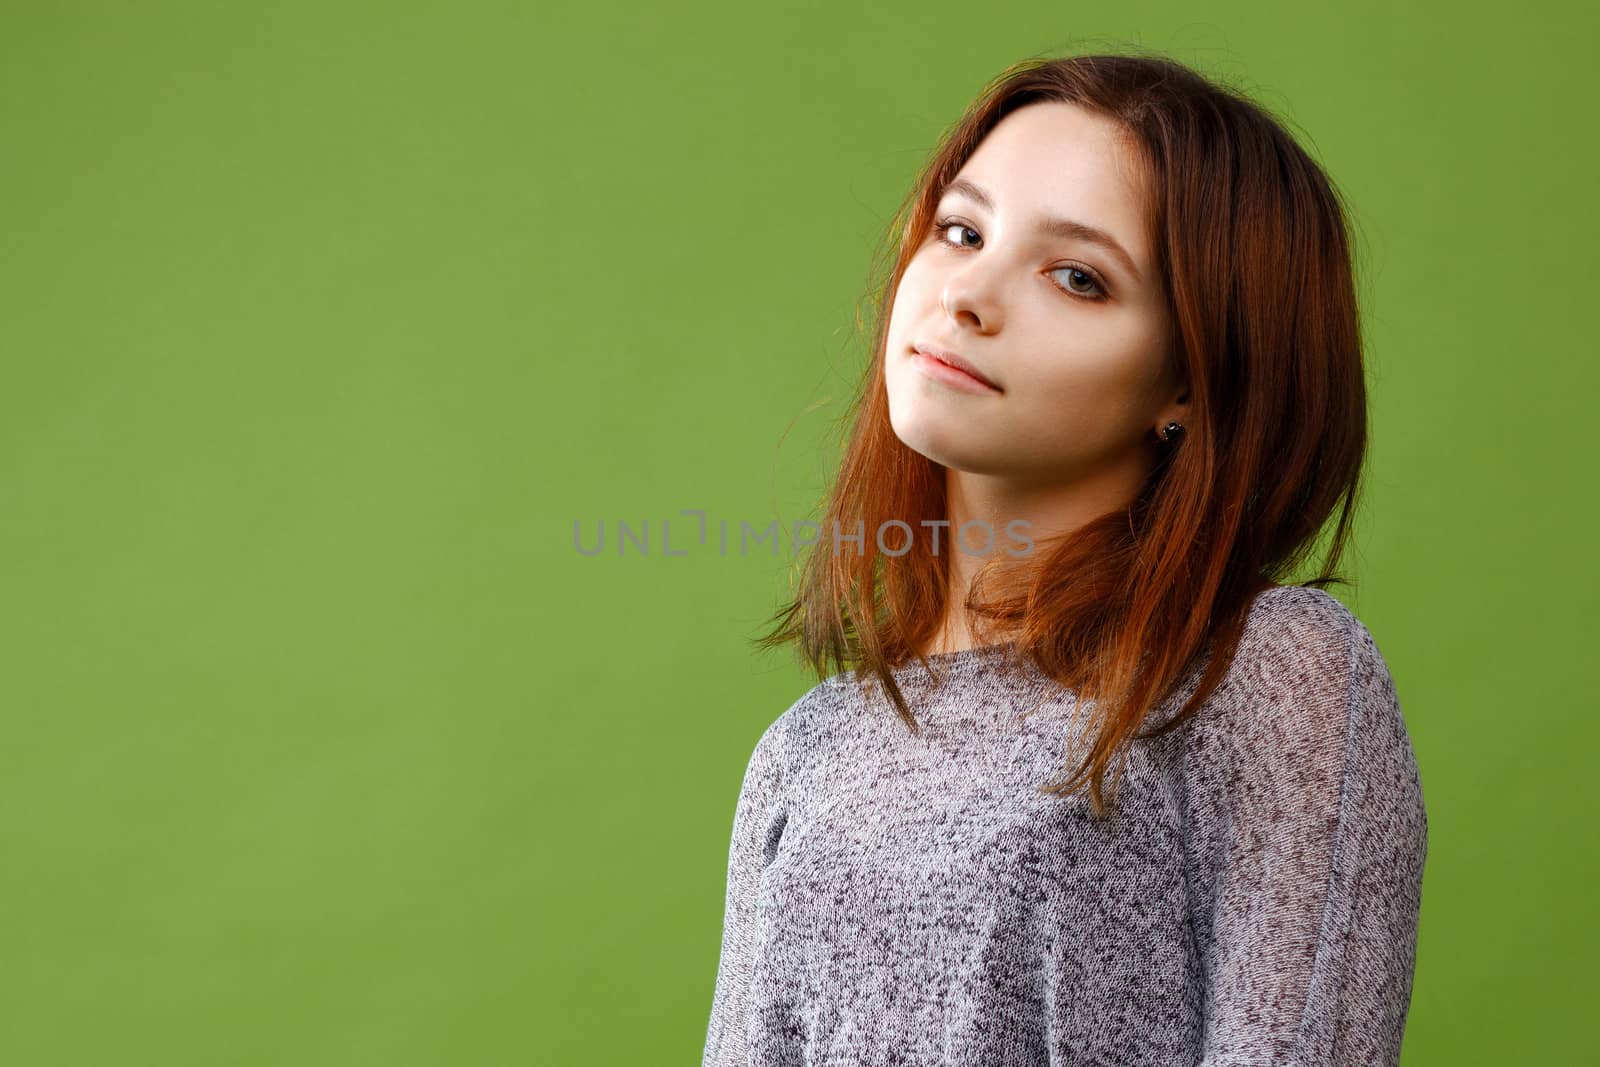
810	713
1306	676
1301	640
1316	707
1286	619
1306	725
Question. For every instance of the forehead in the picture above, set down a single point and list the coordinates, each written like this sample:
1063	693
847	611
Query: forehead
1053	159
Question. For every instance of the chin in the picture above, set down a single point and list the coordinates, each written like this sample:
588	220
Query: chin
933	442
910	426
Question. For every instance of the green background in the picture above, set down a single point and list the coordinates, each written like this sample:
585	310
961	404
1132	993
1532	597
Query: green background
323	324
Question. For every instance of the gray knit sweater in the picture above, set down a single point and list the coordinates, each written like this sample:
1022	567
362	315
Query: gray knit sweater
916	901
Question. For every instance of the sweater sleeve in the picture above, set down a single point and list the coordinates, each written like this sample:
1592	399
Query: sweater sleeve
758	823
1310	947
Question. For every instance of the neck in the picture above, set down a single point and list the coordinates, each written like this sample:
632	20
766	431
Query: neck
1006	515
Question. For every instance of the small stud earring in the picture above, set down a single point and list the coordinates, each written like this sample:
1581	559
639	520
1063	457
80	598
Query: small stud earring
1168	430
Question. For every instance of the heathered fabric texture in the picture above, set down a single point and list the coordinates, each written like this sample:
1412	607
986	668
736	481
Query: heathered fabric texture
914	900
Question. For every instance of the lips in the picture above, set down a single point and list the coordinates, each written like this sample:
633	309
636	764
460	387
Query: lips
956	360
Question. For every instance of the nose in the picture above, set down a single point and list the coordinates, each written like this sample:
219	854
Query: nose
973	294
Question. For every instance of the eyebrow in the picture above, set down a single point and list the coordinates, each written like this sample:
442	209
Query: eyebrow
1069	228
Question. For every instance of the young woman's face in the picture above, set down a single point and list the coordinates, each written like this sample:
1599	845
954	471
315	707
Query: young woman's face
1070	330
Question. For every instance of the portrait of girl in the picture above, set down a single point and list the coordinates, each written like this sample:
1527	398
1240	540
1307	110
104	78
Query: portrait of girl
1135	794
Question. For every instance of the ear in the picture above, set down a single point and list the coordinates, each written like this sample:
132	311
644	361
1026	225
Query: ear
1176	373
1178	407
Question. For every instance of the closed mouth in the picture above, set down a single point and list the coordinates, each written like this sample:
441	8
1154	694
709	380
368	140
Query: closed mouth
955	361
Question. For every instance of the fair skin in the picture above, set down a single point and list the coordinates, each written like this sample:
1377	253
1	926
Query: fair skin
1071	334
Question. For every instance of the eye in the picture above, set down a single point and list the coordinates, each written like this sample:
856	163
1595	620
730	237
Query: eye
1082	275
949	224
1077	273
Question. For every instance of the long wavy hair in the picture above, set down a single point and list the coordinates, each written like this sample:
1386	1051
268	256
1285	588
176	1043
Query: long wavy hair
1253	253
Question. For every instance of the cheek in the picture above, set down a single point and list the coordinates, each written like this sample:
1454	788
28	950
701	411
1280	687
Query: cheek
909	313
1096	387
916	292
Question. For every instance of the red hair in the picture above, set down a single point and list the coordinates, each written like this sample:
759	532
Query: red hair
1253	253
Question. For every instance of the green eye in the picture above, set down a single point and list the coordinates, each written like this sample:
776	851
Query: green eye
1081	273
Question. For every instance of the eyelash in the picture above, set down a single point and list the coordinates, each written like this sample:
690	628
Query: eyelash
944	224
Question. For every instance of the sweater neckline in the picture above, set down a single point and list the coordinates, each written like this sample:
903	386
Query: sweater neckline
960	658
979	659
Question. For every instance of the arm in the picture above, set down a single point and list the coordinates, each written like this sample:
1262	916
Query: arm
757	824
1318	881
